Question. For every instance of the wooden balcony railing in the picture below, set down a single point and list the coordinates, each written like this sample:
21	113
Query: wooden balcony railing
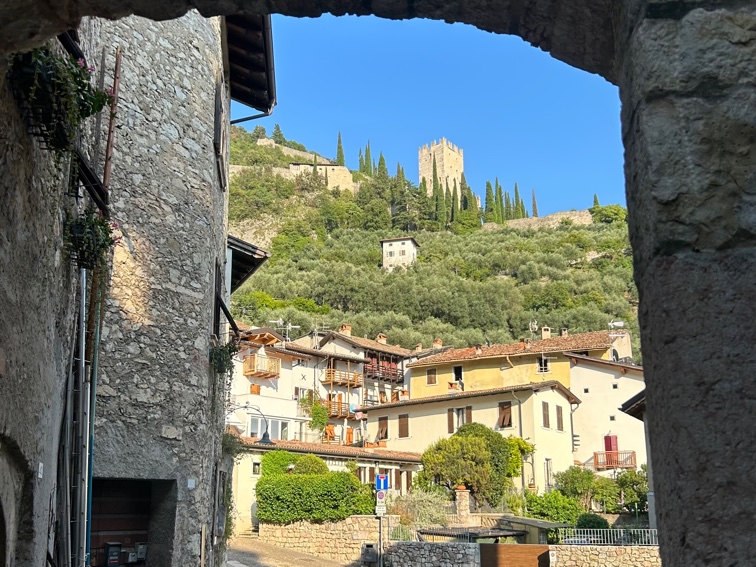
342	378
379	372
338	409
262	366
603	460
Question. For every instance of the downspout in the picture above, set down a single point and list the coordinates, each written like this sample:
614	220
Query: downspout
80	447
519	419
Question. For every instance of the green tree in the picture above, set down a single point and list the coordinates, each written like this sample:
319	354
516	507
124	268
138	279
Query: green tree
507	206
457	461
490	207
259	132
376	216
310	464
499	202
362	163
277	462
436	184
382	169
368	160
340	160
554	507
576	483
591	522
535	205
596	200
609	214
278	136
606	493
454	203
633	486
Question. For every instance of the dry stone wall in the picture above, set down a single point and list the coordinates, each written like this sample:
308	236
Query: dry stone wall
412	554
605	556
304	156
340	541
553	220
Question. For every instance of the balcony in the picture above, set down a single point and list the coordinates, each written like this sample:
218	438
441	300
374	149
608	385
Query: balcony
342	378
258	366
338	409
603	460
380	372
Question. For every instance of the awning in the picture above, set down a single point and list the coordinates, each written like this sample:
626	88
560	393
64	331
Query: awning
246	258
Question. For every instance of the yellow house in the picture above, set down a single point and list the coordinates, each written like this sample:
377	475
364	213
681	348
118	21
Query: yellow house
539	413
496	366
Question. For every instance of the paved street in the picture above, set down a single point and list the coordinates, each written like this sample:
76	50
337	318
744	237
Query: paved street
251	552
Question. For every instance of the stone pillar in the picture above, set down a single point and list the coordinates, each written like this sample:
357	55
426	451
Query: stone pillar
462	498
688	89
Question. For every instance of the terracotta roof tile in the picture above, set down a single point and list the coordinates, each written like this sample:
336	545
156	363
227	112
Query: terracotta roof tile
296	347
580	341
369	344
338	450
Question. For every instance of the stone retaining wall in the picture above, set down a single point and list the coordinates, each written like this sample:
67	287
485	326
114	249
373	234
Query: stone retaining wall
412	554
605	556
339	541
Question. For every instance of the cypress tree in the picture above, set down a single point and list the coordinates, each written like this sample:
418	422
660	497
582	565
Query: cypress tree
368	160
507	206
517	203
340	152
362	163
278	136
382	169
499	203
595	200
454	203
490	210
326	177
448	202
535	205
436	185
441	210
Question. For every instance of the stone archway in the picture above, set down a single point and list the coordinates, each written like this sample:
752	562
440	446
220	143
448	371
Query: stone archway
687	80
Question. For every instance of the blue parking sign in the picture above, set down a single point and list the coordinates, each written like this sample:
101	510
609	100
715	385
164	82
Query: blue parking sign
381	482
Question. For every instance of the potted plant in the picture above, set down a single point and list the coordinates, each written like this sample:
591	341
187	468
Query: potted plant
56	94
90	237
222	357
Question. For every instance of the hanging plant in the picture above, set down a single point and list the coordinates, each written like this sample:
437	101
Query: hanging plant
56	94
90	237
222	358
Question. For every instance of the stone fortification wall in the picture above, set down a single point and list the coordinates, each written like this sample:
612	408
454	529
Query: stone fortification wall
549	221
38	290
159	408
605	556
305	156
338	176
412	554
340	541
449	164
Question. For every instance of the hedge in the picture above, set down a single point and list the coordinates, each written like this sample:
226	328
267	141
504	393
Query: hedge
283	499
277	462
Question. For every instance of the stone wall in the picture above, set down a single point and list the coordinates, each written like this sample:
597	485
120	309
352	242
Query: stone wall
160	409
337	175
449	164
340	541
605	556
553	220
412	554
305	156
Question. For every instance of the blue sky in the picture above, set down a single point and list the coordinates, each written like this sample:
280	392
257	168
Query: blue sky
517	113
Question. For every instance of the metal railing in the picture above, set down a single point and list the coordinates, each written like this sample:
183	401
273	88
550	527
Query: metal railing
614	536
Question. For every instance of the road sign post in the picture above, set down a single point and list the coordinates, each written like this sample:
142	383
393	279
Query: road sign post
380	502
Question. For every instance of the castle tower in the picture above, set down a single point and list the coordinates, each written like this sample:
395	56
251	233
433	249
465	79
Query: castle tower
449	164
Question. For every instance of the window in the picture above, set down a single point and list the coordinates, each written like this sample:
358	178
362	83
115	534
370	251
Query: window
505	415
560	421
391	253
403	426
615	386
404	243
382	428
402	252
612	418
457	373
457	417
254	427
391	243
255	469
585	390
430	377
545	408
543	365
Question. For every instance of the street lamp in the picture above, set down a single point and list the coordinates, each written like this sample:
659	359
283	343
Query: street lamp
265	439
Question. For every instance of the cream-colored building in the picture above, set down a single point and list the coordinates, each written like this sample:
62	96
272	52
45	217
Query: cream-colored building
399	466
539	413
608	439
450	164
400	251
636	408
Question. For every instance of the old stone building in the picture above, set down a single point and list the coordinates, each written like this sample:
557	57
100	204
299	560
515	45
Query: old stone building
399	252
450	164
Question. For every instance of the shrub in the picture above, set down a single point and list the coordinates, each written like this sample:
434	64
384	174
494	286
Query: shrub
592	522
310	464
401	533
277	462
283	498
554	506
421	508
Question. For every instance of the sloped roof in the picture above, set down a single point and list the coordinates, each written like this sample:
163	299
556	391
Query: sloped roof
635	406
622	366
338	450
580	341
534	386
296	347
369	344
399	238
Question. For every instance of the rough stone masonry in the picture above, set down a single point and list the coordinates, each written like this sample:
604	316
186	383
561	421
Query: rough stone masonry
688	88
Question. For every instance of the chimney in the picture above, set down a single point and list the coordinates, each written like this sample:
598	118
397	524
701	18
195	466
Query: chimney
528	342
478	350
522	343
438	343
545	332
346	330
563	332
381	338
418	347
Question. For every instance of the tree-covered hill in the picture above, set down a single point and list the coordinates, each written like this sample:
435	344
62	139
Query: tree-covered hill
467	285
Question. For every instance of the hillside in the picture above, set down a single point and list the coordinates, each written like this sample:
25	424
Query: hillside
467	285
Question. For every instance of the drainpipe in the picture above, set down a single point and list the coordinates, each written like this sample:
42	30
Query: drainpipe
519	419
80	445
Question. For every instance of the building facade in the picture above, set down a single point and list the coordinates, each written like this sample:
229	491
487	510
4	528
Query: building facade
400	252
450	164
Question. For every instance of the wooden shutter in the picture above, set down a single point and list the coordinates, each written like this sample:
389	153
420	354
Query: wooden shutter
371	475
468	414
383	428
560	423
450	420
505	414
430	377
359	472
404	426
398	480
545	406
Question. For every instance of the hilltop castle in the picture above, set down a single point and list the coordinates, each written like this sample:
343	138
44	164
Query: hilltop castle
449	164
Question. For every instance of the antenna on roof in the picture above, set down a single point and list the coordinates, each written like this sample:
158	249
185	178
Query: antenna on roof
284	327
485	337
617	324
533	326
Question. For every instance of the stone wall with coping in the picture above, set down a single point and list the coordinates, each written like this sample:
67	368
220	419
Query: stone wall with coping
340	541
305	156
414	553
605	556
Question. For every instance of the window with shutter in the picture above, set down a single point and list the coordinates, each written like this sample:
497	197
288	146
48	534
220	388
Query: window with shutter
468	414
382	428
409	481
545	406
430	377
404	426
450	420
371	475
505	415
560	423
398	480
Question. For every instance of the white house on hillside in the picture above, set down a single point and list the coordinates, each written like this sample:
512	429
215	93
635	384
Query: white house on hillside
400	251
